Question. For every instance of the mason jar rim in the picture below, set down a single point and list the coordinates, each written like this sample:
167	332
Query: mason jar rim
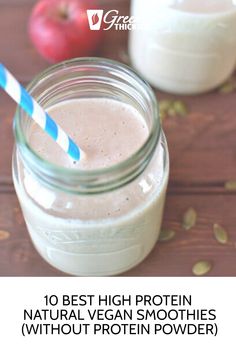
42	165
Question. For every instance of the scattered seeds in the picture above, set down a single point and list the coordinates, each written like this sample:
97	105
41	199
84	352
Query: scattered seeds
172	108
230	185
4	235
201	268
220	234
189	219
228	87
166	235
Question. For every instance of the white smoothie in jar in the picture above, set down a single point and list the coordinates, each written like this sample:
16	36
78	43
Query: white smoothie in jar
95	235
184	46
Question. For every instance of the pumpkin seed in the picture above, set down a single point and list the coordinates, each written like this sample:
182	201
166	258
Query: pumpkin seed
162	115
164	105
189	219
228	87
166	235
230	185
220	234
180	108
171	112
4	235
201	268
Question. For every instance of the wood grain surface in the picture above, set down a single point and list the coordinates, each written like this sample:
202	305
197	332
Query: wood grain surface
202	156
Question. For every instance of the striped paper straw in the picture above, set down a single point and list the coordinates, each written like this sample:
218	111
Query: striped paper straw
35	111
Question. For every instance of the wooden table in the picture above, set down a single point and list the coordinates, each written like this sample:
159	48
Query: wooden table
202	156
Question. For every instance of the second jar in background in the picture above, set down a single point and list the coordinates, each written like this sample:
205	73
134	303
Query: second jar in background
184	46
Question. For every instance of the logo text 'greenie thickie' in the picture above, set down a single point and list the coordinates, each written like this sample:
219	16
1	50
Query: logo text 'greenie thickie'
111	19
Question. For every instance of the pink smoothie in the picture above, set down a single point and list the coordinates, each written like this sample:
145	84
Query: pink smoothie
97	234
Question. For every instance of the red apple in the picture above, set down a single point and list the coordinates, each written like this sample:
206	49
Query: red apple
59	29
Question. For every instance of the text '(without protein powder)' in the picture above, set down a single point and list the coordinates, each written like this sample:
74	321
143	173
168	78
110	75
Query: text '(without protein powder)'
100	314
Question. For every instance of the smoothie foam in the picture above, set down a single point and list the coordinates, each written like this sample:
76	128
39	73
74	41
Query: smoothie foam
106	130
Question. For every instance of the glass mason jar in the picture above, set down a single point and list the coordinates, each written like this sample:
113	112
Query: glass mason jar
71	236
184	46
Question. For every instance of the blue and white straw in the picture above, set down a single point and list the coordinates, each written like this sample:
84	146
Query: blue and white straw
35	111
